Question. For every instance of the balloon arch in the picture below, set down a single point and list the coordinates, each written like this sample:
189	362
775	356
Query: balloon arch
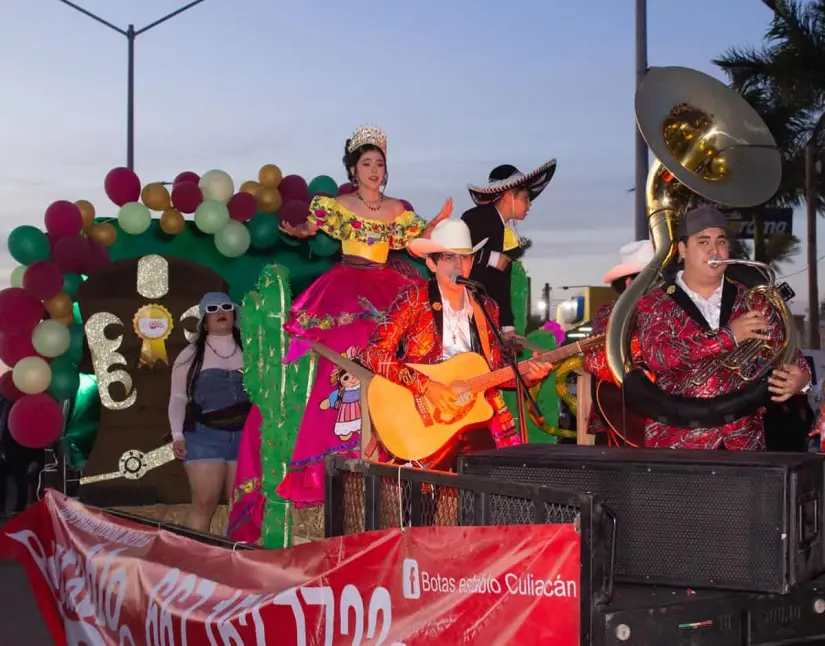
233	232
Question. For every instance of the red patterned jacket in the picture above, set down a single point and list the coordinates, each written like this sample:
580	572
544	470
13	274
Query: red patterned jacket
411	332
675	341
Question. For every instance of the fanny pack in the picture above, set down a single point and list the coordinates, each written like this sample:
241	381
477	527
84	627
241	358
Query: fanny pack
231	418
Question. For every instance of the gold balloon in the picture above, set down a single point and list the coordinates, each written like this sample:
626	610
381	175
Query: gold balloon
270	175
156	197
251	186
102	233
269	199
66	320
87	211
59	306
172	222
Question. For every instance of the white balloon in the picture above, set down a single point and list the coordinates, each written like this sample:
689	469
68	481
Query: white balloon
31	375
16	278
217	185
51	338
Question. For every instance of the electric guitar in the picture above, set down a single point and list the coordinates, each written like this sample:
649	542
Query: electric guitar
411	428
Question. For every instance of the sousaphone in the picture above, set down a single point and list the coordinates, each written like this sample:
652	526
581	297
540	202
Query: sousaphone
709	143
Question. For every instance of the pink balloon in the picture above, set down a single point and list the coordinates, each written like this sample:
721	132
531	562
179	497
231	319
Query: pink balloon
19	311
36	421
187	197
294	212
294	187
346	188
242	207
70	253
14	347
43	279
407	205
186	176
63	219
122	186
8	390
98	257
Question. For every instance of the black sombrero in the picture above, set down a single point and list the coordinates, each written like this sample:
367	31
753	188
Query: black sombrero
507	177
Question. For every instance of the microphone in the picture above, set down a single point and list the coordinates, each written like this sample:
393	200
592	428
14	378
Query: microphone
460	280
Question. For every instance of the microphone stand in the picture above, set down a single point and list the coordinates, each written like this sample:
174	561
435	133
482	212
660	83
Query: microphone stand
522	391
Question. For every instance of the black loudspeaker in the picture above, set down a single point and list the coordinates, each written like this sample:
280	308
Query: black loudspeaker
703	519
20	618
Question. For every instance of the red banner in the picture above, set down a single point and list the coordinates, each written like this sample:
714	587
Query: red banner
102	581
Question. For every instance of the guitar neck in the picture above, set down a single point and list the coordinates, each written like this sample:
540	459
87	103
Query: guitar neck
494	379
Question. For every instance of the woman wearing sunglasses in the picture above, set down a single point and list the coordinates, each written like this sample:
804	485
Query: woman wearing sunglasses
208	407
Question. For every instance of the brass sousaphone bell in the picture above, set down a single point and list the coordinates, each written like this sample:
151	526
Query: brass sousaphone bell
707	142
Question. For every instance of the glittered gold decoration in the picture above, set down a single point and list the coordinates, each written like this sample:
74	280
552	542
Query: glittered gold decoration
406	376
153	325
105	355
153	276
134	464
193	312
671	289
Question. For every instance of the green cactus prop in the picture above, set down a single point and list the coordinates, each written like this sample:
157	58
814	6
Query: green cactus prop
280	391
546	395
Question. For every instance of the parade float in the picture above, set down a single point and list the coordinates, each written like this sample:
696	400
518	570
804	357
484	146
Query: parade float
100	306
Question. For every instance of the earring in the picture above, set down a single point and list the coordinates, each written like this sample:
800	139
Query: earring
354	182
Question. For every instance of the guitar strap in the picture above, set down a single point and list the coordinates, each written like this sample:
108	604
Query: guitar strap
481	326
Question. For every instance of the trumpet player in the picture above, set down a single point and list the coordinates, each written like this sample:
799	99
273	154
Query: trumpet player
698	317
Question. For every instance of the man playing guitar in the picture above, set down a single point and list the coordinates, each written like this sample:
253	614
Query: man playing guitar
435	321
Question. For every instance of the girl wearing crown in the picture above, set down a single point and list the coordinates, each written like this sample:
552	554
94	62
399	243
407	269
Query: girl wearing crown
343	306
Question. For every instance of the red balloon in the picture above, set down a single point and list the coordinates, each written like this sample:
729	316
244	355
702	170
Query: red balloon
70	254
407	205
186	197
36	421
63	219
19	311
14	347
242	207
98	257
346	188
294	187
8	390
187	176
43	279
122	186
294	212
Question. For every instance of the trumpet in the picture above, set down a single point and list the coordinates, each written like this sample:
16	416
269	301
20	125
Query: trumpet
753	359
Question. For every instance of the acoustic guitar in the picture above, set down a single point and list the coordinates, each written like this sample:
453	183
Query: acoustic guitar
412	429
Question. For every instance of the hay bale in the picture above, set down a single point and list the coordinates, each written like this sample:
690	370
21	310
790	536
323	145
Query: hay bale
176	515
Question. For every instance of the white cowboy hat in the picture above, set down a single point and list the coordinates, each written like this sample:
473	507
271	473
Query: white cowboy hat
634	257
507	177
448	236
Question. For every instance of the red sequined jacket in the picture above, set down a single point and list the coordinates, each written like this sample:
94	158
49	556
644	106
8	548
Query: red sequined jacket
675	341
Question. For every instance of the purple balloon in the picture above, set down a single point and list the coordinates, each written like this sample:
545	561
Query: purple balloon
294	187
346	188
407	205
294	212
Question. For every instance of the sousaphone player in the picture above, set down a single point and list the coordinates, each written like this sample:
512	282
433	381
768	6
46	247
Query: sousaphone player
718	350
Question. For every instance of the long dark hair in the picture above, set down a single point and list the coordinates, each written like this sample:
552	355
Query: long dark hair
197	358
351	159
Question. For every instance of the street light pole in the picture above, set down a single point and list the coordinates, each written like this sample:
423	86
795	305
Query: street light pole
640	219
811	204
131	34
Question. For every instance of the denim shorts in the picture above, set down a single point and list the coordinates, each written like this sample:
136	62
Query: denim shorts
212	445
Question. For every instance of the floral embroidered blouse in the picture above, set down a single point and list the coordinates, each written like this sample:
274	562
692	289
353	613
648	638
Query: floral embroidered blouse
364	237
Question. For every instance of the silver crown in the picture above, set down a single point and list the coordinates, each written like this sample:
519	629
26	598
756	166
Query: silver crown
368	135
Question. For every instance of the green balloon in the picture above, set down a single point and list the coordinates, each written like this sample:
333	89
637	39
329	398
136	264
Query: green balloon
77	336
70	284
263	230
233	240
211	216
323	184
28	244
65	379
16	278
323	245
134	218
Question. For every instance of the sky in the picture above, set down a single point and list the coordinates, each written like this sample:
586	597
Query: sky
459	87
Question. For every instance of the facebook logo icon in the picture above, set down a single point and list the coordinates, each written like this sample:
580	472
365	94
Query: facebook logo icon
410	580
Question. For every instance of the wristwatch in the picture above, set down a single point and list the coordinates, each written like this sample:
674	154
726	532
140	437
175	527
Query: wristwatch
807	388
